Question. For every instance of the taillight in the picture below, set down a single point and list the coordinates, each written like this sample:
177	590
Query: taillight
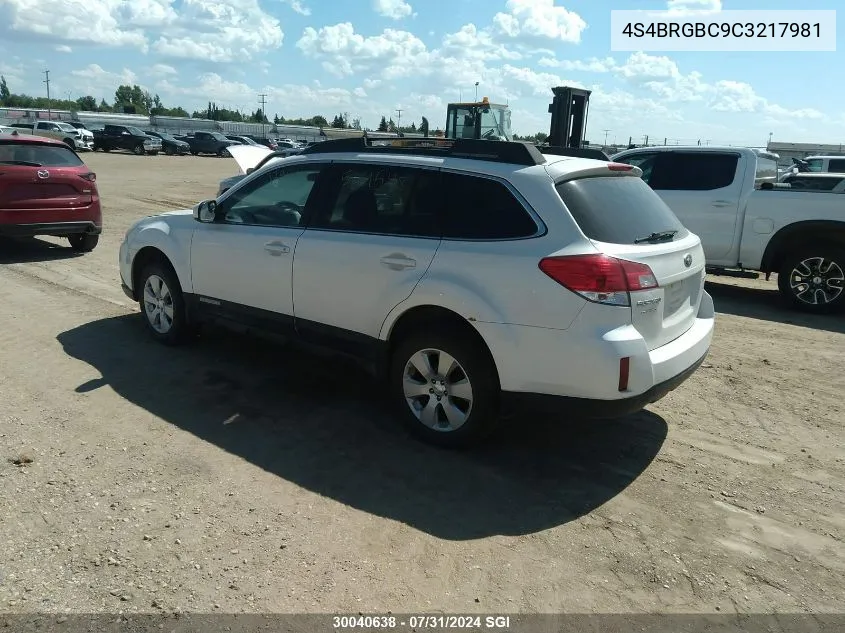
90	176
599	278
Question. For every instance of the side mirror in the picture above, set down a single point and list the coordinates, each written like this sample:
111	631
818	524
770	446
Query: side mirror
206	211
249	170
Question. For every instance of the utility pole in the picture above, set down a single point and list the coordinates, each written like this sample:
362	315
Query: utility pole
606	132
47	81
262	99
399	118
476	92
770	140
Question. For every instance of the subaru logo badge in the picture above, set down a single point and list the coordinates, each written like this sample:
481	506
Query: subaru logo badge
688	261
43	173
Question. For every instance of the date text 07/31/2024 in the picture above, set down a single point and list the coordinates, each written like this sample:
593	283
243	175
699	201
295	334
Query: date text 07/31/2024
421	622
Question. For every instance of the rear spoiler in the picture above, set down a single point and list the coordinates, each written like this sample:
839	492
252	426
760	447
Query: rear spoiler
574	152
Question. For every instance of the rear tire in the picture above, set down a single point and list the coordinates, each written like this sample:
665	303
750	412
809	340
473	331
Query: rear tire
83	242
449	365
139	150
223	152
168	151
162	304
813	279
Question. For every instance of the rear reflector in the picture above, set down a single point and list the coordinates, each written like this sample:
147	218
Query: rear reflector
619	167
599	278
624	371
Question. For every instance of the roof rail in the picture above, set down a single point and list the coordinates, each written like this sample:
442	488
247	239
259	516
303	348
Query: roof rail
575	152
511	152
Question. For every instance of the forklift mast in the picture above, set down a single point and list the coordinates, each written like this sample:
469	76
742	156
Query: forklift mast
569	117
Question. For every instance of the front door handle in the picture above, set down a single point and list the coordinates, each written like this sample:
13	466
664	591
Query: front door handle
722	203
398	262
276	248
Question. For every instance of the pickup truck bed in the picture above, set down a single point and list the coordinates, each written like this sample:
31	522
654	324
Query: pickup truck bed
715	192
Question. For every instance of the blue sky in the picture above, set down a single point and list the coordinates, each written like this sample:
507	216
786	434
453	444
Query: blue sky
369	58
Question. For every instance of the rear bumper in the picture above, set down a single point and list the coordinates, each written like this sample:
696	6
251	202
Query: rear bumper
517	402
49	228
577	370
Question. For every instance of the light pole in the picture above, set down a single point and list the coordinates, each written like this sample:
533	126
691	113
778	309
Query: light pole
476	92
770	140
606	132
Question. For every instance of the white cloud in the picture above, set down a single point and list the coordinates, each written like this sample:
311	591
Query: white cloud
693	7
93	21
470	42
540	83
592	65
344	52
737	96
298	7
63	48
96	81
209	30
539	19
393	9
161	70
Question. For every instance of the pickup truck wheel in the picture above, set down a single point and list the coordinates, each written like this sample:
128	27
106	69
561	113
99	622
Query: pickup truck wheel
168	151
223	152
444	388
813	279
162	304
70	143
139	150
83	242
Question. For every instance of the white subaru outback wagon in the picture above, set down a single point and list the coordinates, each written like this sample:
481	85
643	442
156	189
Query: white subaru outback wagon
471	276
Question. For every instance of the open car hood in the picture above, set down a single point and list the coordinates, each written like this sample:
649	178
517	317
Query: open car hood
248	156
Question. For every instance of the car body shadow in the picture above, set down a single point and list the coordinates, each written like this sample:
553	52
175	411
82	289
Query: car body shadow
22	250
321	425
768	305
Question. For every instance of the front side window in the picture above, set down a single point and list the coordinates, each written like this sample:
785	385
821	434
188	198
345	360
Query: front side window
277	198
815	164
381	200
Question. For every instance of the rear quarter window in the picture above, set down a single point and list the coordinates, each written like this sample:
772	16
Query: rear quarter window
44	155
617	209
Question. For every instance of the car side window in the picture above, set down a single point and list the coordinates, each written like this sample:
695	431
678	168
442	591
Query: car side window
836	165
643	161
477	208
381	200
277	198
694	171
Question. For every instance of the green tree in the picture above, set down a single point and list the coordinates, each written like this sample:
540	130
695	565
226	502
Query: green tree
382	126
87	104
103	107
5	93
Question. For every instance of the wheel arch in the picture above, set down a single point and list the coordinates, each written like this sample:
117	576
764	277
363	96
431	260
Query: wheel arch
429	317
798	235
146	256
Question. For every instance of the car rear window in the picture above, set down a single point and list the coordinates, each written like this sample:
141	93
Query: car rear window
618	209
44	155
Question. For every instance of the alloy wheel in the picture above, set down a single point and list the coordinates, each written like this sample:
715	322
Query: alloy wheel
437	390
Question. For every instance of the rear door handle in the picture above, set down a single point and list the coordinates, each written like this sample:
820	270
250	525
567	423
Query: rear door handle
398	262
276	248
722	203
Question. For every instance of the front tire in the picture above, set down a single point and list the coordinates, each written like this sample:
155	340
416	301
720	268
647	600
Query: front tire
223	152
813	279
139	150
163	304
168	151
445	388
83	242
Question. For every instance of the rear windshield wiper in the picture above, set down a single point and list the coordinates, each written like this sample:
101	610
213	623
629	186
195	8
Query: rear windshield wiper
24	163
660	236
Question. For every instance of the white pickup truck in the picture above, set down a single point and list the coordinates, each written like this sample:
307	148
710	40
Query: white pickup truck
78	139
719	194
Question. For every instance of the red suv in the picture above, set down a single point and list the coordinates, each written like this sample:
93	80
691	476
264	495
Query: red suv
46	189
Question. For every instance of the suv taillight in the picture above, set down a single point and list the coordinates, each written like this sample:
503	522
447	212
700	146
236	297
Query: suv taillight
599	278
89	176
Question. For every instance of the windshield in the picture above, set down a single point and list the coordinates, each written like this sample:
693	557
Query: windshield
165	136
37	155
496	123
134	131
66	127
218	136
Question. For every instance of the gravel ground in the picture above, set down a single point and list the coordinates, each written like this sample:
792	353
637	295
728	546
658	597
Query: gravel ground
235	476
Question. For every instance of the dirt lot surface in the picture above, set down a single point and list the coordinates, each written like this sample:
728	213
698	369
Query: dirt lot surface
235	476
